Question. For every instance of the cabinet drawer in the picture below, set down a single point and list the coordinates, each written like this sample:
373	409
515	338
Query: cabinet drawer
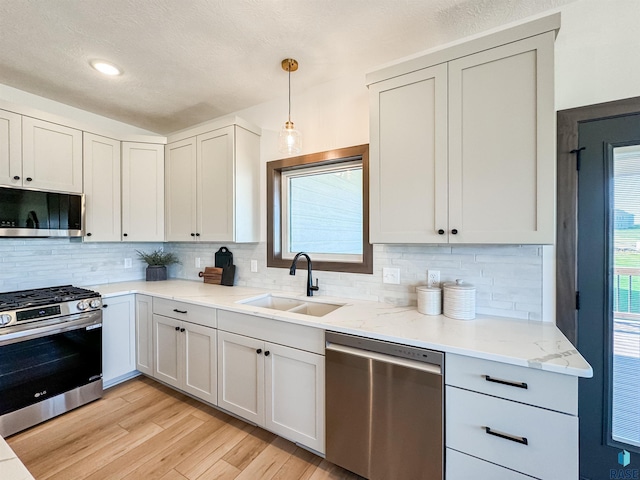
283	333
460	466
527	385
189	312
538	442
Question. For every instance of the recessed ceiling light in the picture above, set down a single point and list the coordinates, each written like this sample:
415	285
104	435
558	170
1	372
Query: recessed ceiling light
105	67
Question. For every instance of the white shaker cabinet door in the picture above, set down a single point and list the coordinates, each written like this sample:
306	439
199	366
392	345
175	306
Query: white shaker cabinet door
408	158
295	395
144	334
180	195
167	350
200	361
102	189
502	144
10	149
216	190
51	156
142	192
118	338
241	376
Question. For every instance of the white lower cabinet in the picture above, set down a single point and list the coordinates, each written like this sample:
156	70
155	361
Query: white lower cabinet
461	466
144	334
185	356
278	387
506	421
118	339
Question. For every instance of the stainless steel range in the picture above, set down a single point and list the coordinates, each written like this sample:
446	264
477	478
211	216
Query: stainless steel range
50	354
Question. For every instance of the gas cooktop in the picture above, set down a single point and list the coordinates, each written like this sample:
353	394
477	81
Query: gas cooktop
43	296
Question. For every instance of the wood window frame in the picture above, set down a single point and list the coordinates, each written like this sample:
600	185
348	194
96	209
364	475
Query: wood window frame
568	122
274	207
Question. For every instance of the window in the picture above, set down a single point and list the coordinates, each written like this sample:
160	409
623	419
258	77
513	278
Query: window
318	204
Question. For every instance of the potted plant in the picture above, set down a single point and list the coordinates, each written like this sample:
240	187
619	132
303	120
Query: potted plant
157	262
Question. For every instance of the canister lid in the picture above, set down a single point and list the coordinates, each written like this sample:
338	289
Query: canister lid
459	284
425	288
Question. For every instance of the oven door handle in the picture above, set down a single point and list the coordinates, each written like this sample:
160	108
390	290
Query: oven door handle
75	322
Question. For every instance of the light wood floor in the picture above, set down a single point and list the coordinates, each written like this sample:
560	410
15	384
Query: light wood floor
143	430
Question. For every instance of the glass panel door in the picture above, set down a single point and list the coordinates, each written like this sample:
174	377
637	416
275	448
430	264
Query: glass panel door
625	381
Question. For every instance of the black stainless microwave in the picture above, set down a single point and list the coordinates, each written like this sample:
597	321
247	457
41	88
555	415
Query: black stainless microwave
35	213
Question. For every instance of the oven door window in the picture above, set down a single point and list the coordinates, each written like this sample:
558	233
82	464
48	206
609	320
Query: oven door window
40	368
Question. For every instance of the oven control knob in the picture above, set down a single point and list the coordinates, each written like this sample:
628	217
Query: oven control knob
95	303
5	318
83	305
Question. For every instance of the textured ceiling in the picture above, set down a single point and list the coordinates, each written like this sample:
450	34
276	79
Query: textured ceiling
187	61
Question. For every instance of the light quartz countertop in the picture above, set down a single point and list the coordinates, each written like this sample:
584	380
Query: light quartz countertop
525	343
11	468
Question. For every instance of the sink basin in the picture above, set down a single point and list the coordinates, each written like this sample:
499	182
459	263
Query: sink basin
273	302
286	304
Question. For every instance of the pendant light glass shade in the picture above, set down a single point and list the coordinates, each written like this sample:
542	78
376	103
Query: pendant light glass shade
290	140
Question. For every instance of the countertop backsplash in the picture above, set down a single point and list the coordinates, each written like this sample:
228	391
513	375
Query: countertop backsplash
508	278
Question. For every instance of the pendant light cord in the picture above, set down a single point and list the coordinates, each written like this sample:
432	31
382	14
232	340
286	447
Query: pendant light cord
289	70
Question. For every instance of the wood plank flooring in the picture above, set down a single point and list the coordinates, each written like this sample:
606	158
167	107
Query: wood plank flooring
142	430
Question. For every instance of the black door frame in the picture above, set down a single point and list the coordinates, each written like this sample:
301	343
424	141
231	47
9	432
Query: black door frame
567	205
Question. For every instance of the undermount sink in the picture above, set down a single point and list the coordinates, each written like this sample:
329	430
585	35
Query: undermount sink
286	304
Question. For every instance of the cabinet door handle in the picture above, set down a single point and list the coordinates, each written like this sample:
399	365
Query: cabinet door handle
193	234
259	351
441	232
104	305
88	234
266	354
506	382
506	436
177	329
124	234
197	234
29	179
179	311
182	330
454	231
16	177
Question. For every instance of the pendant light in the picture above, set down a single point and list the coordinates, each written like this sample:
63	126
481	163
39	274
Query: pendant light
290	141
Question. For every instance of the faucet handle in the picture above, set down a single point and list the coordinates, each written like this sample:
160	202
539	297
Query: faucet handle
315	287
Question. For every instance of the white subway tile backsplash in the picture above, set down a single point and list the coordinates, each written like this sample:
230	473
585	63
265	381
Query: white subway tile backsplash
508	278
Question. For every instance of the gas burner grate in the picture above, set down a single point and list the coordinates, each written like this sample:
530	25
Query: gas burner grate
43	296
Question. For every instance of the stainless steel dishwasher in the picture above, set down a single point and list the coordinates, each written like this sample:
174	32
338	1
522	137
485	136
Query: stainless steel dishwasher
384	408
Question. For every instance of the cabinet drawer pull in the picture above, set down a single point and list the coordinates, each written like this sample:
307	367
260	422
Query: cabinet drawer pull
179	311
506	436
506	382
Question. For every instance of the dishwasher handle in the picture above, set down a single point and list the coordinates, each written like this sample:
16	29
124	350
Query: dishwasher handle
381	357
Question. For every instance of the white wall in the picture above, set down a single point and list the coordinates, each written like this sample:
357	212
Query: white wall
99	122
597	52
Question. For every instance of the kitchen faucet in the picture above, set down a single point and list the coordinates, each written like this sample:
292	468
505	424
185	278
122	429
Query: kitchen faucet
292	271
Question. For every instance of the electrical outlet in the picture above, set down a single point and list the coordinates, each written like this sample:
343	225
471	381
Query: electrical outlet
254	266
433	278
127	263
197	262
391	275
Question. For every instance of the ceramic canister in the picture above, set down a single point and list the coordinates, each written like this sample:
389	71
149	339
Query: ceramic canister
429	300
459	300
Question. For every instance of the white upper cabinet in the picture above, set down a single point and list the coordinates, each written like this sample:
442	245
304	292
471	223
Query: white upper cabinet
39	154
102	188
10	149
502	144
408	162
142	192
212	185
463	142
